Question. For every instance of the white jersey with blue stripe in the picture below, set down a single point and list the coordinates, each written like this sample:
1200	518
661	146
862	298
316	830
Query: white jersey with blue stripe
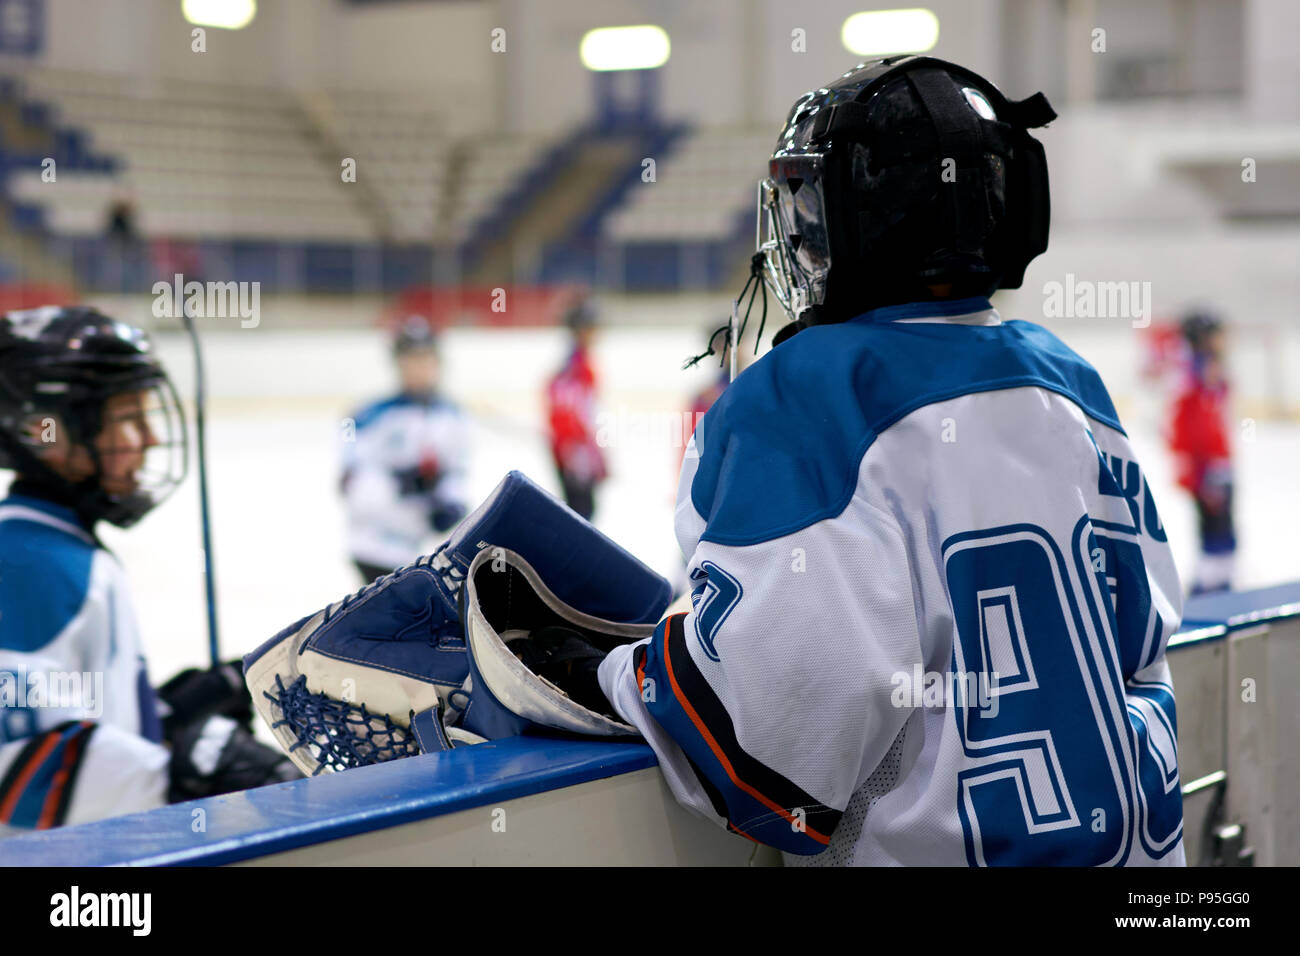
388	525
79	726
931	601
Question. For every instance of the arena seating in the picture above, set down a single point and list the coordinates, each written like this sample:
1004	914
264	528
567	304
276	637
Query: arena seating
489	170
212	161
401	154
198	160
226	166
701	190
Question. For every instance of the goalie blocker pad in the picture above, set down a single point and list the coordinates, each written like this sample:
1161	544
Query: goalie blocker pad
504	601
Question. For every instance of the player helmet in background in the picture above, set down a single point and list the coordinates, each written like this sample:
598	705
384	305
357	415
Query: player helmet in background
59	367
581	314
904	173
415	333
1199	329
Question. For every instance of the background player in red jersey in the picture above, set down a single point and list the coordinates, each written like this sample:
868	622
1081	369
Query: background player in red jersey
571	416
1199	440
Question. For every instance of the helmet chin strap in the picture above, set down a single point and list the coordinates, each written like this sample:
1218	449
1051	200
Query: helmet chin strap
734	330
86	496
792	295
98	505
733	336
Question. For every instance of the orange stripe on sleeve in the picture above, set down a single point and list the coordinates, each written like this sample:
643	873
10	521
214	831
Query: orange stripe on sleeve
640	674
717	750
51	805
11	801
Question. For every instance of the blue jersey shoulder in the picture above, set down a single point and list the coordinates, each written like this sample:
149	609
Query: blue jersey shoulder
781	448
44	578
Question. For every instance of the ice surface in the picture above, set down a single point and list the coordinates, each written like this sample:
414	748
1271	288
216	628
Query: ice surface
275	421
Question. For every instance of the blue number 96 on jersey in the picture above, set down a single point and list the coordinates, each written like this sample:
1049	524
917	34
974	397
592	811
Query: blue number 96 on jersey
1077	759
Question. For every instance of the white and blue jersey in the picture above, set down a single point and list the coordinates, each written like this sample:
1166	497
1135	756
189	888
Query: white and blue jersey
79	725
931	601
404	477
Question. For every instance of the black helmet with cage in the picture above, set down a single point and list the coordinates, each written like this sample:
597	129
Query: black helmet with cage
905	174
61	367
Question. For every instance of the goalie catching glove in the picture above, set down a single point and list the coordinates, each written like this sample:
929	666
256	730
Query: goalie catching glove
368	678
532	659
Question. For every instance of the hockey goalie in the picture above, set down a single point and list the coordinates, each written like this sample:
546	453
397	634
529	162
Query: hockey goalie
931	592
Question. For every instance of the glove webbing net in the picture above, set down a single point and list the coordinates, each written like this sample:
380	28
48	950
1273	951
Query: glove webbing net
342	735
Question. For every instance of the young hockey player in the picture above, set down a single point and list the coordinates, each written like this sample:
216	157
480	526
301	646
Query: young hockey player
404	461
571	416
931	588
92	428
1199	440
932	592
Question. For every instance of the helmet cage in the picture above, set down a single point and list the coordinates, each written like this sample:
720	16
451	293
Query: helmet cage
73	396
793	231
160	439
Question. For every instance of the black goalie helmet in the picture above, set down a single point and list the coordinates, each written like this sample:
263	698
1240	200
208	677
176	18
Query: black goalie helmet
87	411
905	173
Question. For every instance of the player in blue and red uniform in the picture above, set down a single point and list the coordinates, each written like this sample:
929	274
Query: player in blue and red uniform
1198	437
571	417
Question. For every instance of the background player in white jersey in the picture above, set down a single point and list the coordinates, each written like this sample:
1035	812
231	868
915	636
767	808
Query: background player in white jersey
92	428
932	592
404	465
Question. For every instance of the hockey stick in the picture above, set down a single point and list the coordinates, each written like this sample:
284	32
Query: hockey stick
200	399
